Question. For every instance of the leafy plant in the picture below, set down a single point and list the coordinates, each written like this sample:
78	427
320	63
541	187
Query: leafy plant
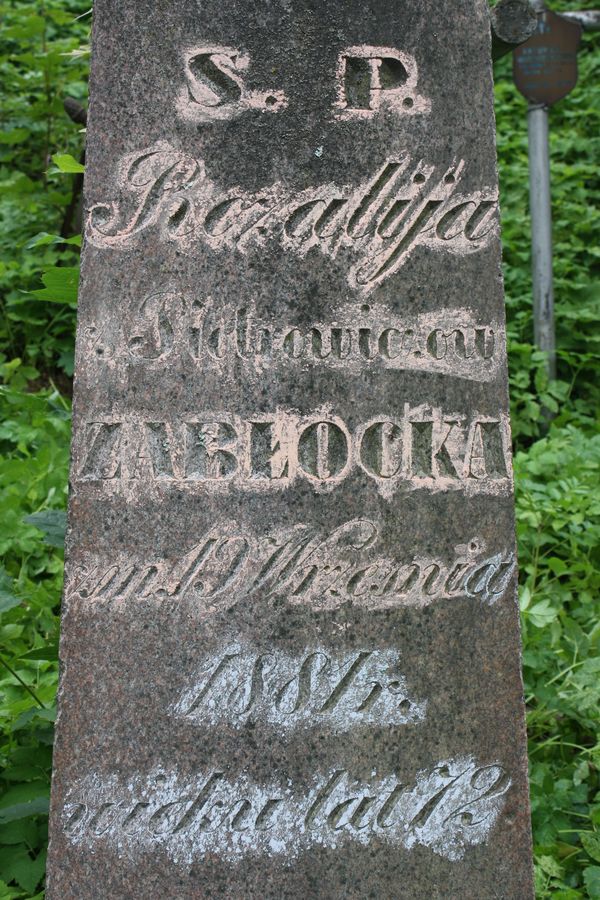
557	472
34	442
40	65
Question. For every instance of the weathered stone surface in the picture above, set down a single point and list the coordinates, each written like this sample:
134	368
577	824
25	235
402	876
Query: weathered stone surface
290	652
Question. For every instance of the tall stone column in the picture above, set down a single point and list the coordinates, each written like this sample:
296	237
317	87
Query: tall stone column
290	648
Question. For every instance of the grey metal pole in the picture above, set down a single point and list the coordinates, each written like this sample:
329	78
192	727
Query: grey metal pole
541	208
540	204
541	228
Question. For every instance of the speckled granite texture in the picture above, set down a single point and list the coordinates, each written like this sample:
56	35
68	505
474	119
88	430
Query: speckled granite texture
290	652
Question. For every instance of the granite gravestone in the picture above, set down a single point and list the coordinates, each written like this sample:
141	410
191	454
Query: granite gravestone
290	651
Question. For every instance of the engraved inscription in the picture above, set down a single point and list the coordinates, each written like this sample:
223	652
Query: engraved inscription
215	87
374	79
405	205
425	448
447	809
166	325
320	688
301	565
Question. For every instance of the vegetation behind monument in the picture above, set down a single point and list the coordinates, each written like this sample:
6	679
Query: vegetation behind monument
43	59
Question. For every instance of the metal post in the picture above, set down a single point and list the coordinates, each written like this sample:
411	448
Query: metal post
541	227
539	173
540	203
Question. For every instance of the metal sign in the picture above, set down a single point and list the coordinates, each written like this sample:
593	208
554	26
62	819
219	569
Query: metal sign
545	66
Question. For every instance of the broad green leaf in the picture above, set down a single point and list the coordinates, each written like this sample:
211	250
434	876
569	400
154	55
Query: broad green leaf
591	843
53	522
66	163
60	285
557	565
17	864
23	793
21	831
43	239
14	136
591	877
541	614
20	801
550	866
37	807
524	597
8	599
7	893
49	652
31	26
34	712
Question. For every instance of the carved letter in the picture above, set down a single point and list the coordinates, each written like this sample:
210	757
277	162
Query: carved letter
373	78
381	449
215	88
485	457
102	460
209	451
322	450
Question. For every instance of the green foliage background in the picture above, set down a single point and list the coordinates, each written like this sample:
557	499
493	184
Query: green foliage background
43	59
